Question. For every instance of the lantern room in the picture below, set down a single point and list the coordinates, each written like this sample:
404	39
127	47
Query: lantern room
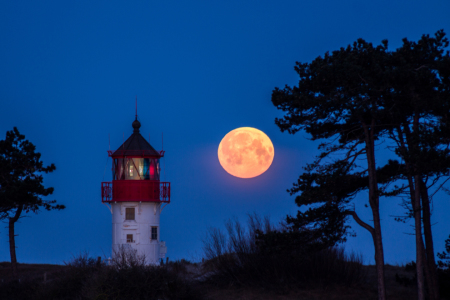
136	172
135	168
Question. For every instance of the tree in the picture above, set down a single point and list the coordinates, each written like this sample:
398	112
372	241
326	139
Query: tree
420	81
21	184
357	96
341	98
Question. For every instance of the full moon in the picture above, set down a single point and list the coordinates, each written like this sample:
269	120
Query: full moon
246	152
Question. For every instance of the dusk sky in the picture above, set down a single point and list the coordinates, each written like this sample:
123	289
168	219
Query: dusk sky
70	72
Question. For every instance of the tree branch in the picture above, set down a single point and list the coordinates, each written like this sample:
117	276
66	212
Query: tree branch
361	222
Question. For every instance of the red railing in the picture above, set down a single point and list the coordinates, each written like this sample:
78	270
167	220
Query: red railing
136	190
106	191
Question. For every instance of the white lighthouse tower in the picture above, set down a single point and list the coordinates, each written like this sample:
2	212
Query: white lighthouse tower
136	197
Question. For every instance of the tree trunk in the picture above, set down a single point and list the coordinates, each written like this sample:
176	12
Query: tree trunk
433	284
374	202
419	241
379	254
12	243
414	181
426	269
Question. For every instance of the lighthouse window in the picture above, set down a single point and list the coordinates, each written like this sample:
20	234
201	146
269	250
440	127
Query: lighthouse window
146	166
118	169
136	169
131	171
154	233
129	213
152	170
130	238
157	168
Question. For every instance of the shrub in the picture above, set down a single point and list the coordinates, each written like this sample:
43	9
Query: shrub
444	270
126	258
260	255
144	282
126	277
179	266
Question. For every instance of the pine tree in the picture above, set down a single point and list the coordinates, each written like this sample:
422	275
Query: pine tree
21	184
358	96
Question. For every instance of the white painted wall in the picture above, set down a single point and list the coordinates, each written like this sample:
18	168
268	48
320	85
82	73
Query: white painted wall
146	216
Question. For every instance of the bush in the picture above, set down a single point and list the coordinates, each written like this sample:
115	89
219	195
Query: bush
406	280
126	258
179	266
143	282
444	271
126	277
257	256
63	284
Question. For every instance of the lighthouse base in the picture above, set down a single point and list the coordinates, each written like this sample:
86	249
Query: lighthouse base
136	231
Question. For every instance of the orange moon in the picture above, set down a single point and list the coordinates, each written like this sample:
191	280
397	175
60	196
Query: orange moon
246	152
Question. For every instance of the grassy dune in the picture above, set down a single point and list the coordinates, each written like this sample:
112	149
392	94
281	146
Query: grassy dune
177	280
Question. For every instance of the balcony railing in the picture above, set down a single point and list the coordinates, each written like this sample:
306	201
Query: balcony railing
136	190
106	191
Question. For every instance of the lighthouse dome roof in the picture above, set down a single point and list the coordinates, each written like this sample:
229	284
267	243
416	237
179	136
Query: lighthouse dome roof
136	144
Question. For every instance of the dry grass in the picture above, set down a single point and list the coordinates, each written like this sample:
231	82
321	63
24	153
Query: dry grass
29	271
85	278
364	291
252	294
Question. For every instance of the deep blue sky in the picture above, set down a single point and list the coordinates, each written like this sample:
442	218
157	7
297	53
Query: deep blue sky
70	71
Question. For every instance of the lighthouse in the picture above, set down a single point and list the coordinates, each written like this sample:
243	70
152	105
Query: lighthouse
136	197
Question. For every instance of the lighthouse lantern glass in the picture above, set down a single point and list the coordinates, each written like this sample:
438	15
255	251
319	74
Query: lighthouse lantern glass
127	168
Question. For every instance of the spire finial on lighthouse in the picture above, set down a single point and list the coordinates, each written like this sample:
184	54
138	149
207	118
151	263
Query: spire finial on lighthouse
136	124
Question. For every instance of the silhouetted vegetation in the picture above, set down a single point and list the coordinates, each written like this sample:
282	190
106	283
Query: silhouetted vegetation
443	273
357	97
86	278
21	184
444	270
241	256
407	280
